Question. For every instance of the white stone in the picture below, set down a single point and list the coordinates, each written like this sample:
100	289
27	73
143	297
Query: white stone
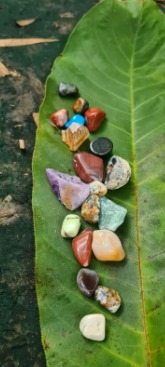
92	326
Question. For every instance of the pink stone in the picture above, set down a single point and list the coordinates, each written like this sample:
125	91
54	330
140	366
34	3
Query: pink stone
60	117
82	247
88	167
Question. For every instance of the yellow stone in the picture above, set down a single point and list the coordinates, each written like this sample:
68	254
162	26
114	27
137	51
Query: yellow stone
75	135
107	246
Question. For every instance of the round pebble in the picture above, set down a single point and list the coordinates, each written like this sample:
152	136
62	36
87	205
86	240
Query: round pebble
118	173
107	246
87	281
97	188
101	146
92	327
70	226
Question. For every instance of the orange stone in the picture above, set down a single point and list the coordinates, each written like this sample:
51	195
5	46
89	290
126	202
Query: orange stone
107	246
75	135
82	247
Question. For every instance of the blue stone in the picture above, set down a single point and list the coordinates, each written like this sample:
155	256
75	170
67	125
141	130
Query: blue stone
111	214
76	118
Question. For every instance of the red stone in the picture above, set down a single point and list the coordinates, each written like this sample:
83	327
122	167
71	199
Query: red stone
88	167
94	118
82	246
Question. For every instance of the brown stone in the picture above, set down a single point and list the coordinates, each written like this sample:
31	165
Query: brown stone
88	167
75	135
90	209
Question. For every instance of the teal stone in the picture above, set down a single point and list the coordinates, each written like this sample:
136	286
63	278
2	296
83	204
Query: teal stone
79	119
111	214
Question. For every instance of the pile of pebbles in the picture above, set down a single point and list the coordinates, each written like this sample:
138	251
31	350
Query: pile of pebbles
88	190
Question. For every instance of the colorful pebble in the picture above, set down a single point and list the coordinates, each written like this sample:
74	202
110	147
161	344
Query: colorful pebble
76	118
118	173
107	246
75	135
108	298
88	167
60	117
92	327
94	118
70	226
101	146
82	247
90	209
70	190
111	214
87	281
66	89
80	106
97	188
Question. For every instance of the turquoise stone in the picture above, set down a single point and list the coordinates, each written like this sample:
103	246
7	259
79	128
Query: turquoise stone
111	214
76	118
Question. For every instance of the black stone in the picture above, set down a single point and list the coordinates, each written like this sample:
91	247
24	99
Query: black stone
65	89
87	281
101	146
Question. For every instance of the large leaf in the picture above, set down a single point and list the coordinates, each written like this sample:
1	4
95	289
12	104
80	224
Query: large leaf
116	58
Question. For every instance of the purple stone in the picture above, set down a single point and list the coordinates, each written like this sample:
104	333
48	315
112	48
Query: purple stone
70	190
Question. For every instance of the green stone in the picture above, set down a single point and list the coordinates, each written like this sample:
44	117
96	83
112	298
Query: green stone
70	226
111	214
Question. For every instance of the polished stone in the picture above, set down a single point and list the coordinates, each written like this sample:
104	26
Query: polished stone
107	246
70	190
90	209
88	167
92	326
101	146
118	172
82	247
108	298
87	281
94	118
75	135
70	226
111	214
76	118
59	118
80	106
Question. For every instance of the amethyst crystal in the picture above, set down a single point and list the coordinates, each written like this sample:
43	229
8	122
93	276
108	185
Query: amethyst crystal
70	190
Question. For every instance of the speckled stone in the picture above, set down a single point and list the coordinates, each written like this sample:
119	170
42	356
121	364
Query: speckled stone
101	146
88	167
108	298
59	118
97	188
118	173
107	246
92	327
80	106
87	281
75	135
82	246
111	214
90	209
70	190
66	89
70	226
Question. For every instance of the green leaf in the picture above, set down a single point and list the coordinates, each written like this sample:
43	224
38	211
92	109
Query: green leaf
116	57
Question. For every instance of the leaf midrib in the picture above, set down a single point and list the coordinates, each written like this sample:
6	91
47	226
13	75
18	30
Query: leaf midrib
134	169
